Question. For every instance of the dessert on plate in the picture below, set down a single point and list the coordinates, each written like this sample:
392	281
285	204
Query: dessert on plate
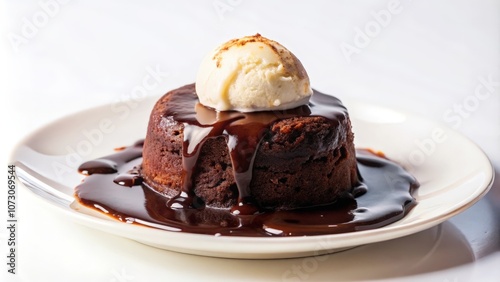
249	149
250	131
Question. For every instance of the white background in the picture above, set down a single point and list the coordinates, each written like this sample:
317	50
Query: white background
426	57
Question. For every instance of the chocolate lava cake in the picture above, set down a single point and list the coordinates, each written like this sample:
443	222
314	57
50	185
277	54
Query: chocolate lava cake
276	160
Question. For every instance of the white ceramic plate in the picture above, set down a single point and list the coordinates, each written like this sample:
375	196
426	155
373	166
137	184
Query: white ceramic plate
452	171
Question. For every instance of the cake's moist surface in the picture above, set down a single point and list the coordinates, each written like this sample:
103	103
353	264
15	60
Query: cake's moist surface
286	159
114	187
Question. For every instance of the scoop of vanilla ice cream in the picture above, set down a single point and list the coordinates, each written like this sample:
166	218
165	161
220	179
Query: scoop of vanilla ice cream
250	74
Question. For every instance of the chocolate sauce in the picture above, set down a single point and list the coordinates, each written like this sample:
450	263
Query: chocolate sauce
114	184
386	198
243	132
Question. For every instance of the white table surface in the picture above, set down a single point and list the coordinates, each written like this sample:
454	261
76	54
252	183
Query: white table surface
426	57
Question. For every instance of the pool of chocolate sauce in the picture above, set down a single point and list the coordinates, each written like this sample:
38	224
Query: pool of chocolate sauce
114	186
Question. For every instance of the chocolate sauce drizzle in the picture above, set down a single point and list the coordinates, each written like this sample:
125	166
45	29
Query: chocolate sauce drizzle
244	133
114	184
120	195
